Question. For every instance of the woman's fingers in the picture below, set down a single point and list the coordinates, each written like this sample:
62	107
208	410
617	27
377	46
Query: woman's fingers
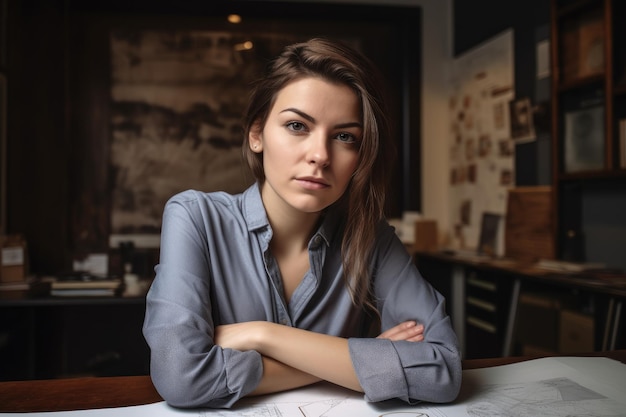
408	330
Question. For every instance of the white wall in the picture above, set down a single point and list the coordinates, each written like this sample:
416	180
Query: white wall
436	60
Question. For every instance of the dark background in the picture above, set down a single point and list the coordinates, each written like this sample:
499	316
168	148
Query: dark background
59	178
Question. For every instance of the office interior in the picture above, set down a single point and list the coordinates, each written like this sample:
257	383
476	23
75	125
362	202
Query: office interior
59	184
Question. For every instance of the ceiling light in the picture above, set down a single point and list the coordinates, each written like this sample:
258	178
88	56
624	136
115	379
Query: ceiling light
234	18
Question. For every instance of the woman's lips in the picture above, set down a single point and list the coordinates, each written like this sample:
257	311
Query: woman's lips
312	183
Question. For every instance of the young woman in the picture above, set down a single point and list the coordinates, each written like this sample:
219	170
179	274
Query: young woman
281	286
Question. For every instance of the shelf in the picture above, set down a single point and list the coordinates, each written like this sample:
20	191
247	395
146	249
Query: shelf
594	175
588	100
573	84
566	8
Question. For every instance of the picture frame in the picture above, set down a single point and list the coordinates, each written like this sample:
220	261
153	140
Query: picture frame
584	139
521	116
489	230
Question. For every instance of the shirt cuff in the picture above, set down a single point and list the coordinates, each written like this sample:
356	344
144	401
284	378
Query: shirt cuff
378	369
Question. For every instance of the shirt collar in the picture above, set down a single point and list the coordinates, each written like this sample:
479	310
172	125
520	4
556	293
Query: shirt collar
330	224
256	216
254	209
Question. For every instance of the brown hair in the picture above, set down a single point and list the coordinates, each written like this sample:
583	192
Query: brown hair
365	197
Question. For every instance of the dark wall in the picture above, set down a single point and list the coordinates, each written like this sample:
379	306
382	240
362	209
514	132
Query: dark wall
37	151
58	174
477	21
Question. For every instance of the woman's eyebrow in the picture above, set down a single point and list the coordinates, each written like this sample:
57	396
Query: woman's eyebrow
300	113
312	119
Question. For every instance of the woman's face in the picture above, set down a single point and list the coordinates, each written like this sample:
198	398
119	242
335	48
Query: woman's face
310	145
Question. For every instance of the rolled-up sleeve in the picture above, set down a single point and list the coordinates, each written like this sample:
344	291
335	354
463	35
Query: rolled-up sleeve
429	370
187	368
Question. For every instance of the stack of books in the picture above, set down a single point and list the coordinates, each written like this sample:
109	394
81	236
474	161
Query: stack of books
27	288
85	286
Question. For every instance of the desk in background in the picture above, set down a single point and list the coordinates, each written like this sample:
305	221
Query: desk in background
54	337
483	300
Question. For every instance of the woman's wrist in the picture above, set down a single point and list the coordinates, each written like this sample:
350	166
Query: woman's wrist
263	335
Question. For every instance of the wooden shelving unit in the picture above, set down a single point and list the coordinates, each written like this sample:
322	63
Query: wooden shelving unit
588	110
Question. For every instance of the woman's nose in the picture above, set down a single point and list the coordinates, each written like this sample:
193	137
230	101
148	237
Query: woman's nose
319	153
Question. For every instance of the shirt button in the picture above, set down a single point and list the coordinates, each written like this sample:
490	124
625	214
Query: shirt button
317	240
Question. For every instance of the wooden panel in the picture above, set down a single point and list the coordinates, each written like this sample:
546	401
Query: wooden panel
528	230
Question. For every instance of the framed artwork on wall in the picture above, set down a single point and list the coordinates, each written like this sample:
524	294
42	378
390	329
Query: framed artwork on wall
177	98
584	139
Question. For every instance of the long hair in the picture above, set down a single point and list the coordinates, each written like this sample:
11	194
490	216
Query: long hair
364	199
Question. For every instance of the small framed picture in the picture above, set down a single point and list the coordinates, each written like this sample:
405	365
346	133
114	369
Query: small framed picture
521	116
489	229
584	139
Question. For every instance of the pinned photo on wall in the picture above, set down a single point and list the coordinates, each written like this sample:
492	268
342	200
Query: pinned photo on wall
471	173
505	148
522	126
484	145
465	212
506	177
499	115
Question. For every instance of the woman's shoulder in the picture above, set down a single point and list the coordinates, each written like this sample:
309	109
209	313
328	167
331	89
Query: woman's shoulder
214	203
387	239
200	203
191	197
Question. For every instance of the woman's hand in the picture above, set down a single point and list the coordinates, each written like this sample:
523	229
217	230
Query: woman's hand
239	336
408	330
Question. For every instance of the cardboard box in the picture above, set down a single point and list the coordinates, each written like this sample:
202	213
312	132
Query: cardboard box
576	333
528	225
426	236
13	258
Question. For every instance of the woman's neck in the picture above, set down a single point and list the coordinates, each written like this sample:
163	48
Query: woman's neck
292	232
292	229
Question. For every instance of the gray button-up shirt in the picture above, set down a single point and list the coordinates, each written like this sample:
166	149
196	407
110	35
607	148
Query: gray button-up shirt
216	268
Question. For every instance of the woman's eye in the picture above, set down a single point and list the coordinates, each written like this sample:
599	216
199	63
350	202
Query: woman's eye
296	126
346	137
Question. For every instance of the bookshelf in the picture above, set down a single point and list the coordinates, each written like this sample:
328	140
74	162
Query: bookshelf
588	113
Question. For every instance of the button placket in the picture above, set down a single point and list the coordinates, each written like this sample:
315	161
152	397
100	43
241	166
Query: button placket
274	276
